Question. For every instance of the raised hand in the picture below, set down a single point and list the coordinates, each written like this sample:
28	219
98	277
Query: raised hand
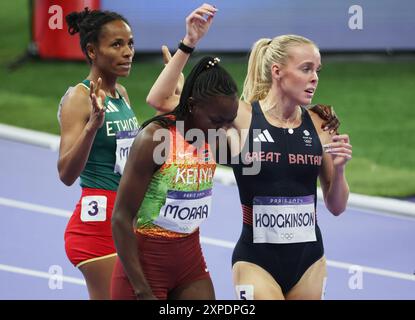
198	23
340	150
97	95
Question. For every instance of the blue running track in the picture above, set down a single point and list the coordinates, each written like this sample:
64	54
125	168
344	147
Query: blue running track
370	255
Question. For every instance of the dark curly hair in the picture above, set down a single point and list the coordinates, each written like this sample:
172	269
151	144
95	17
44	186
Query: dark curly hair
206	79
89	25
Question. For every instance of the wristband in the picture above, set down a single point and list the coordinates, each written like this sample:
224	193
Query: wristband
185	48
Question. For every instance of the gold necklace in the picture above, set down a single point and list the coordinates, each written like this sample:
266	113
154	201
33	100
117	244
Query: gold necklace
285	122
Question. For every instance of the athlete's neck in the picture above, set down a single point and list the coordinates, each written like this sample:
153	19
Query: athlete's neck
279	108
108	82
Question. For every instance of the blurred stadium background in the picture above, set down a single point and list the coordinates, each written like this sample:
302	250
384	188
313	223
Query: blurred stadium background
368	74
368	53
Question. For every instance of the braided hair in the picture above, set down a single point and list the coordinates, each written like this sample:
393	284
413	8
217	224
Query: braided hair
207	79
89	25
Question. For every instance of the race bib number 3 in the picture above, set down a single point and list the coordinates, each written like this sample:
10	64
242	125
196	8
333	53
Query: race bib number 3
284	219
125	140
184	211
94	208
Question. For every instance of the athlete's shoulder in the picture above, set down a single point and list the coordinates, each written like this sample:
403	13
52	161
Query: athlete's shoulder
75	97
147	135
152	128
146	142
243	118
121	89
77	91
245	106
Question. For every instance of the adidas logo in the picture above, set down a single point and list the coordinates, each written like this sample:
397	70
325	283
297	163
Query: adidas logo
111	107
264	137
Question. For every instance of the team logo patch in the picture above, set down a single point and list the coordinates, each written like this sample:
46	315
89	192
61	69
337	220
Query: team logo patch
308	140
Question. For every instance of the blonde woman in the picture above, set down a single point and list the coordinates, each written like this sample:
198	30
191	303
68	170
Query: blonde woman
280	253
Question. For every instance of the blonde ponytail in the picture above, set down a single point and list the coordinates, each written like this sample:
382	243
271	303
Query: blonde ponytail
264	53
255	86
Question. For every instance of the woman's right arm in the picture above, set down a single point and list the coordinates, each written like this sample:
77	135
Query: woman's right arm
133	186
162	95
80	120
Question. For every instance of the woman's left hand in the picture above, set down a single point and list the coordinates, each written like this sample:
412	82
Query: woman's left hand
340	150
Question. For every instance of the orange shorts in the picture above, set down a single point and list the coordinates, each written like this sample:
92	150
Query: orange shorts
88	235
168	263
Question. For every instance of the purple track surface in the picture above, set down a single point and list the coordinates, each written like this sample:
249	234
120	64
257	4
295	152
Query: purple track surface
34	240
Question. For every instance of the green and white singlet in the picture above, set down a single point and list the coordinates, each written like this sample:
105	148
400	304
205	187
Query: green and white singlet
111	145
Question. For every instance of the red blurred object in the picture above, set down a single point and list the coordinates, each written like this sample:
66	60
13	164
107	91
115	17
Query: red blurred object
50	31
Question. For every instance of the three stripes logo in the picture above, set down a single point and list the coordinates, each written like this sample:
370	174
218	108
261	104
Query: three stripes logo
111	107
264	137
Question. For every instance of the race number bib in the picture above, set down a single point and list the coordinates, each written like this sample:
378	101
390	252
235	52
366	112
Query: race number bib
245	292
125	140
94	208
284	219
184	211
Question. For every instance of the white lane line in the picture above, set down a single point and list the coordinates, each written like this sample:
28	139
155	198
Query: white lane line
41	274
211	241
379	272
223	175
330	263
217	242
34	207
375	204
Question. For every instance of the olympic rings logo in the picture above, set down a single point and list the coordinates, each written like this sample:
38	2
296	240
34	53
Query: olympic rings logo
287	236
